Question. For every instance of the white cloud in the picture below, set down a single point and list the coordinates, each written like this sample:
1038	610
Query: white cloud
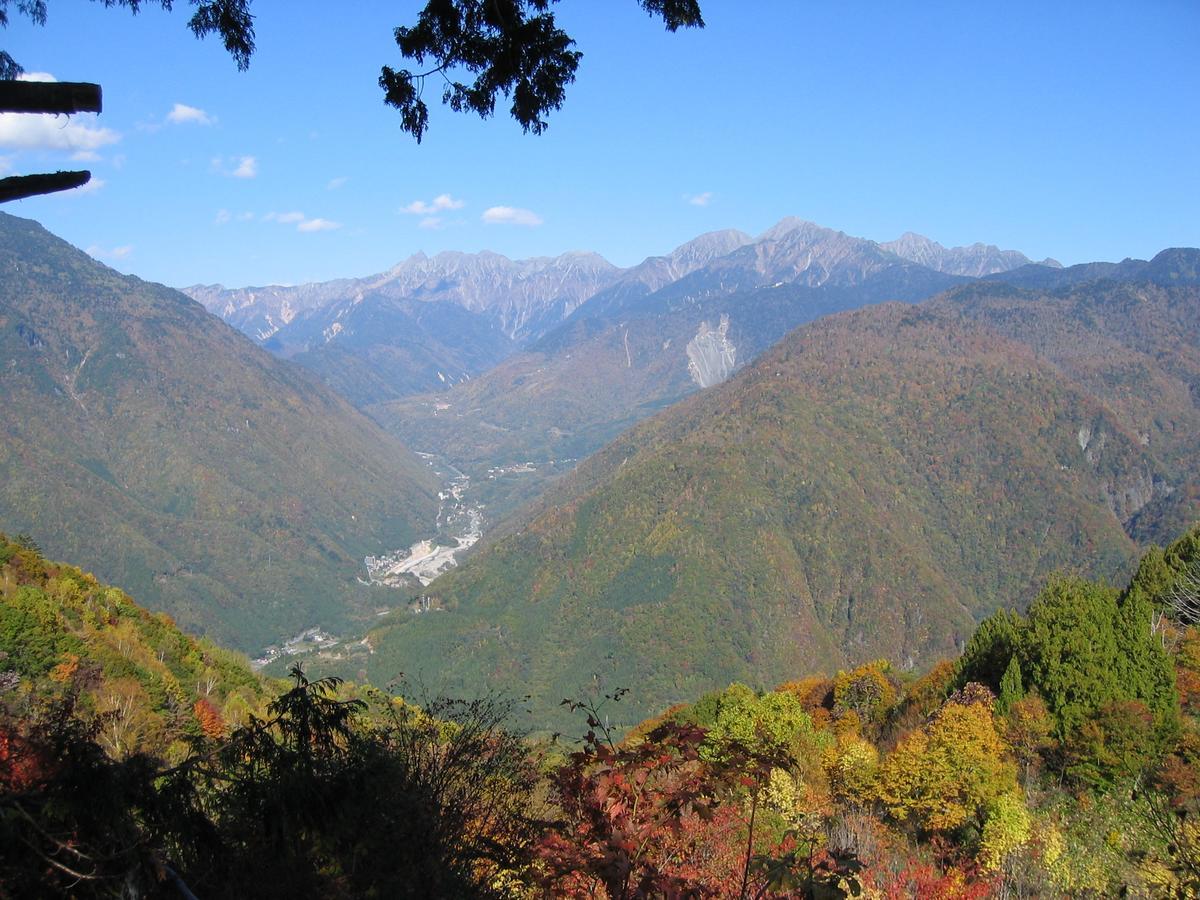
318	225
97	252
236	166
245	216
90	188
76	134
335	183
181	113
699	199
5	165
510	215
440	203
246	168
222	217
432	223
46	132
300	220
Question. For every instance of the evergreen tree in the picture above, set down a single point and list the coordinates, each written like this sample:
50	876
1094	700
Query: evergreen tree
988	653
1011	688
1144	669
1068	649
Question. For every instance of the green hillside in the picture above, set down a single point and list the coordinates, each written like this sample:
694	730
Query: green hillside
161	449
152	687
871	487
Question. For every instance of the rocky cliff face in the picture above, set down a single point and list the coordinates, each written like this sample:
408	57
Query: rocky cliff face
711	355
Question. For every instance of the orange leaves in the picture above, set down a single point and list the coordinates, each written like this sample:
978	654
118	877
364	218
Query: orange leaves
65	670
211	722
23	764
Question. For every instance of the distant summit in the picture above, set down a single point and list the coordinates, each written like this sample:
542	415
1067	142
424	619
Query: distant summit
974	261
516	295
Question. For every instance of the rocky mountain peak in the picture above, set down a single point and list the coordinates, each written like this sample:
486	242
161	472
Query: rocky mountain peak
793	228
974	261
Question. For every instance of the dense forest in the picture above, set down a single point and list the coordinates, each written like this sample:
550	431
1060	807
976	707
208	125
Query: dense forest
1059	754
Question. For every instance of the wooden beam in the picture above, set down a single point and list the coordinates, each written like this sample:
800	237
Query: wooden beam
49	97
18	187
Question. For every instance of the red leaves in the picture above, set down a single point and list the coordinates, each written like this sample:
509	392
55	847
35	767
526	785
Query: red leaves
24	764
621	808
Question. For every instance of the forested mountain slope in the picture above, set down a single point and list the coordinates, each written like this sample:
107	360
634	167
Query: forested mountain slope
1132	339
155	445
871	486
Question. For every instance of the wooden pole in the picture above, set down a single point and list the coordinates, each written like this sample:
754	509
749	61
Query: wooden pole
17	187
59	98
63	97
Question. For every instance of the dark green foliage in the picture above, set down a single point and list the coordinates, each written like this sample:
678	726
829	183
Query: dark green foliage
229	19
1115	744
32	638
1167	582
990	650
1144	670
1068	649
513	48
1011	687
1088	651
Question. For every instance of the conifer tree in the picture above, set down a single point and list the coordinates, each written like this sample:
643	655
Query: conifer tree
1011	688
1068	649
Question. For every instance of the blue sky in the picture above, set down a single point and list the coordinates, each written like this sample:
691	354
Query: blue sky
1067	129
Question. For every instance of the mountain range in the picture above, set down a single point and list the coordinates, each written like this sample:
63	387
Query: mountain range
870	486
433	322
662	332
880	477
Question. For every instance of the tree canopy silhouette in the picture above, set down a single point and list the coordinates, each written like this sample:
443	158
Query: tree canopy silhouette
229	19
512	48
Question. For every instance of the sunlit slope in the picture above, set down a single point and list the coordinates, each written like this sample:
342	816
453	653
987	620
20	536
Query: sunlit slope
867	488
1132	340
64	632
156	446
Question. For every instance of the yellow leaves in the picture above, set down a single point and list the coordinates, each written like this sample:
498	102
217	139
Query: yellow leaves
1071	870
665	533
946	773
785	794
1006	829
866	691
851	767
